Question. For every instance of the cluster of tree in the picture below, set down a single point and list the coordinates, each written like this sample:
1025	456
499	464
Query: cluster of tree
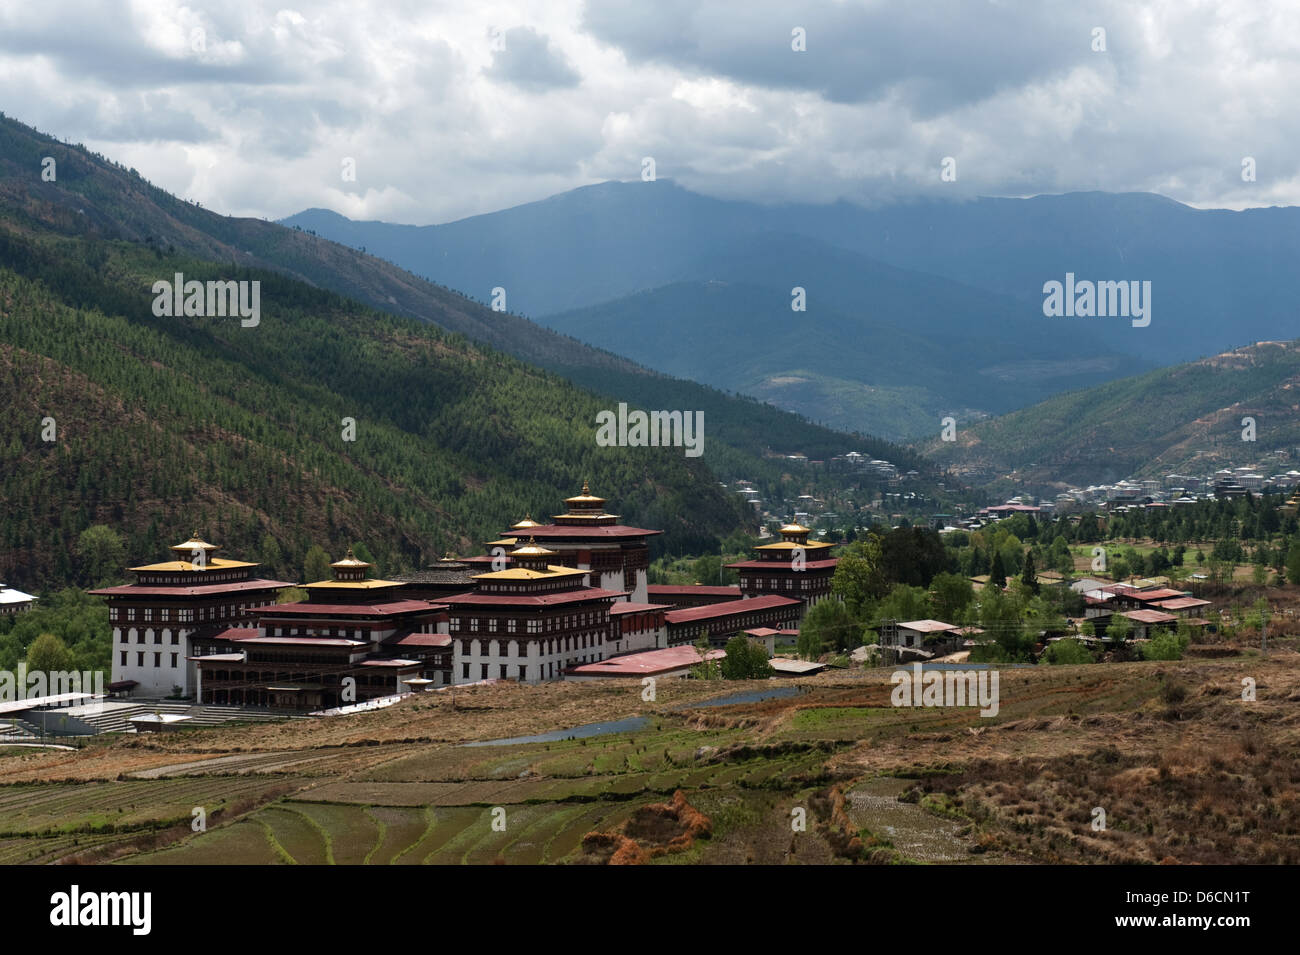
65	630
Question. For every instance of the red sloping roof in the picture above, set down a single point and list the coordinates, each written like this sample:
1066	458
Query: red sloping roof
577	531
1152	596
1182	603
621	607
692	590
423	640
237	633
199	590
730	608
644	664
1150	616
386	609
533	600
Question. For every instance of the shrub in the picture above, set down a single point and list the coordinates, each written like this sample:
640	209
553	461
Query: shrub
1166	645
1066	652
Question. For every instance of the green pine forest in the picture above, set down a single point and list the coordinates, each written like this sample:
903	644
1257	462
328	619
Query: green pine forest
167	425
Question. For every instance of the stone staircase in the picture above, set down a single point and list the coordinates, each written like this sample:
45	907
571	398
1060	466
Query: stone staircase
18	731
115	718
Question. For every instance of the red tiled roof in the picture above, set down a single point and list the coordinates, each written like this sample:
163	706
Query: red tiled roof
825	563
645	664
237	633
731	608
621	607
1152	596
532	600
1182	603
423	640
386	609
1150	616
579	531
687	590
234	587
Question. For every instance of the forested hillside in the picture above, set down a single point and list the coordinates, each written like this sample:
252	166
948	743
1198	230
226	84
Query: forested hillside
1186	417
93	197
165	425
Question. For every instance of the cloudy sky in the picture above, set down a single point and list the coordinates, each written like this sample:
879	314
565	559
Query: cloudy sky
453	109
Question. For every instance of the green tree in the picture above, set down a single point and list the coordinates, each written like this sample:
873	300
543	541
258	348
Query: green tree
1165	645
1293	564
316	565
271	555
706	669
905	603
103	554
1067	652
997	573
1028	576
859	576
950	595
1120	628
745	660
48	653
708	570
828	624
361	552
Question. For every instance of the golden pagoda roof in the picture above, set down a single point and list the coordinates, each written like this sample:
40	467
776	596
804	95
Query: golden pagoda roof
794	529
526	523
503	542
351	561
213	563
526	573
371	583
792	545
532	549
194	543
586	497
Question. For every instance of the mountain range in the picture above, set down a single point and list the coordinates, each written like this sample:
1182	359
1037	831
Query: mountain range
649	270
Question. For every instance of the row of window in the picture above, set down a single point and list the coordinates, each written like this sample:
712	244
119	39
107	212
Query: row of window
157	637
184	614
207	577
545	625
492	648
342	632
157	659
787	583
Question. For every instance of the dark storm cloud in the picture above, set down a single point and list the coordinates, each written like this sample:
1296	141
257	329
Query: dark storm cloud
932	56
529	62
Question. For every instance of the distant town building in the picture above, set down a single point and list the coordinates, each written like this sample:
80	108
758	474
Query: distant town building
14	601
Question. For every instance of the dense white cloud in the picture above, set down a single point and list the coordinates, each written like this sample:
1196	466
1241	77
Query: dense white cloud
252	108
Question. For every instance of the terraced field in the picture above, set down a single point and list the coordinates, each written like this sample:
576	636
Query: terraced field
832	774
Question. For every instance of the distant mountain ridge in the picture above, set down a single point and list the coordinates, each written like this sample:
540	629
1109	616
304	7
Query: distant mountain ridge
1222	279
968	348
1183	419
